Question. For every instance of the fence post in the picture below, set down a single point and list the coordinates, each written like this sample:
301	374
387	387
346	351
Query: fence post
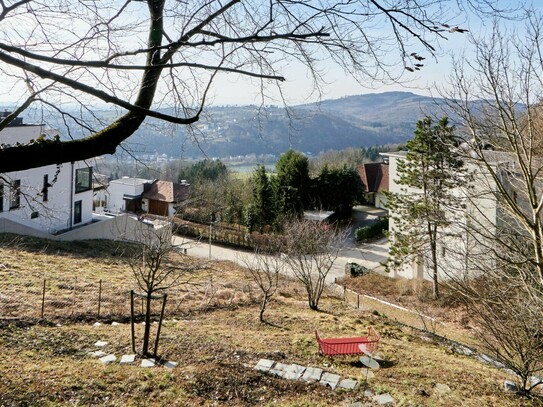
357	301
99	296
164	298
43	299
132	320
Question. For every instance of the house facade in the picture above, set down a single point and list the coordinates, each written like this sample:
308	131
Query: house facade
139	195
460	253
50	199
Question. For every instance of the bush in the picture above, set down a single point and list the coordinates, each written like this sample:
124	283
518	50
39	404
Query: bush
375	229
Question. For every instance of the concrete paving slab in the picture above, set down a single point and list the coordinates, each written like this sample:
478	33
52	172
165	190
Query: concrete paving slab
278	370
97	324
264	365
383	399
330	379
170	365
312	374
127	359
101	344
348	384
148	363
115	323
97	353
106	360
294	371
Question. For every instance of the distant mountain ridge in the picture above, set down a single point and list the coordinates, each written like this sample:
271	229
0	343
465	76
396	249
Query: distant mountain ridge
350	121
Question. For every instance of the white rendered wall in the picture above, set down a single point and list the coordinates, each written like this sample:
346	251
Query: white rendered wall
55	214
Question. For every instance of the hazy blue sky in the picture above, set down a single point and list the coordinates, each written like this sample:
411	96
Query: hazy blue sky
435	73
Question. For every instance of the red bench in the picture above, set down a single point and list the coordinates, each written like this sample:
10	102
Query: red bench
349	346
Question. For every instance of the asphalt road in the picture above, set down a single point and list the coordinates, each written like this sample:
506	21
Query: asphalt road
369	255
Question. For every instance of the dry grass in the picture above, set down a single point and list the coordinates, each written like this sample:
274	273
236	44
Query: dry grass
216	347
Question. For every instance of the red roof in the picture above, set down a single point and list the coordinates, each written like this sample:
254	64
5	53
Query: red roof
374	176
166	191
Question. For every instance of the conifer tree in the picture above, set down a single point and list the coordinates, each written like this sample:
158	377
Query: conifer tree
424	208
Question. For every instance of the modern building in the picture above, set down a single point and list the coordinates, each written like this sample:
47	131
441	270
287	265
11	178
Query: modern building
50	199
458	250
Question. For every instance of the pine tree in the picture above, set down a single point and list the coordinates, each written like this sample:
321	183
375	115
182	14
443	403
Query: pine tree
430	173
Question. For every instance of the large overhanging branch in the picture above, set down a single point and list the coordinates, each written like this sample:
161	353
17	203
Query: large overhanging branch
77	85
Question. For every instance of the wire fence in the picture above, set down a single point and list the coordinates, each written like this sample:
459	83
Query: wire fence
51	298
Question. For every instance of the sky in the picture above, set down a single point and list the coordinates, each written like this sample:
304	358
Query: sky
230	89
432	78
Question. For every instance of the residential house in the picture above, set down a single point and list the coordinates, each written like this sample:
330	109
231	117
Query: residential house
163	197
375	179
50	199
457	249
138	195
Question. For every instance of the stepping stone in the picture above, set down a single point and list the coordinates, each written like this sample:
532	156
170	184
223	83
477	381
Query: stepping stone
294	372
330	379
279	369
148	362
115	323
97	353
127	359
312	374
348	384
383	399
106	360
100	344
170	365
97	324
264	365
366	373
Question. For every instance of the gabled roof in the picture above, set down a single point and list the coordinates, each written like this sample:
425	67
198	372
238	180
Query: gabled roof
374	176
166	191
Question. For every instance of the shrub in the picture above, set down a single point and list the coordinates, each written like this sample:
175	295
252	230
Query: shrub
375	229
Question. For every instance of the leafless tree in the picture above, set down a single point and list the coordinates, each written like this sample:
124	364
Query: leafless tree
497	97
156	270
264	266
310	249
161	58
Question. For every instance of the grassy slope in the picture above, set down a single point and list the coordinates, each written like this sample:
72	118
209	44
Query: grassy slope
44	364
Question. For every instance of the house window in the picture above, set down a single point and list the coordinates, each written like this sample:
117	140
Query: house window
443	251
15	194
45	189
83	179
77	212
1	197
34	215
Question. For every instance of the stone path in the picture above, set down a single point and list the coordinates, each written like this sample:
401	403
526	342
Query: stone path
308	374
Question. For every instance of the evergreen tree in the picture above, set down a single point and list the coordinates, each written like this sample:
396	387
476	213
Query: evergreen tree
205	170
262	208
292	183
430	173
337	190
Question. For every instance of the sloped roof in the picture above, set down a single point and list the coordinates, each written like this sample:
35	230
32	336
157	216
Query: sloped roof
166	191
374	176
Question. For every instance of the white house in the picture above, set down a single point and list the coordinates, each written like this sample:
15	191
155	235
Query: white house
457	249
50	199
